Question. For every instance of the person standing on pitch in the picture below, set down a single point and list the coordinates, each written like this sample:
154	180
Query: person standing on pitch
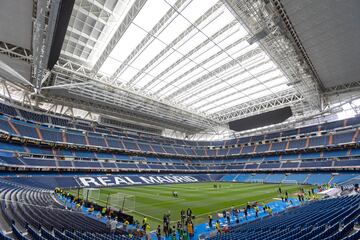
183	216
210	221
158	232
189	213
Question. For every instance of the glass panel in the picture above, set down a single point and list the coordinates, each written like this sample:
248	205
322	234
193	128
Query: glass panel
146	17
174	29
109	67
128	42
128	74
148	54
172	58
197	8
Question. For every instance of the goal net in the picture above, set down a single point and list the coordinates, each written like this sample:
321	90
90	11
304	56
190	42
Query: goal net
289	182
91	194
257	180
121	201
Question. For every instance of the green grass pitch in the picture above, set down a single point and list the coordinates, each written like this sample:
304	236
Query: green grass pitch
155	200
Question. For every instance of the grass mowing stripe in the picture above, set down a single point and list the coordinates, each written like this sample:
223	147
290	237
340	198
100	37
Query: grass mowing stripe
155	200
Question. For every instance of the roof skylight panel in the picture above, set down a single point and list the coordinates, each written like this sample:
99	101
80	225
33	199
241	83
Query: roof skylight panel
224	106
128	74
205	101
205	54
231	38
130	39
174	85
259	94
191	42
276	81
235	72
160	85
155	86
209	74
128	42
176	39
144	80
109	66
172	57
247	89
151	13
174	29
215	107
179	69
196	9
148	53
265	77
169	69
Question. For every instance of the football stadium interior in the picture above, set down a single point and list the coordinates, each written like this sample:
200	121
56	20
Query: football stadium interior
179	119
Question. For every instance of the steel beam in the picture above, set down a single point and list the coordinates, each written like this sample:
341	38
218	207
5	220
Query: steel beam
69	76
218	70
197	48
128	19
202	18
264	104
15	52
338	89
233	75
255	17
169	14
243	95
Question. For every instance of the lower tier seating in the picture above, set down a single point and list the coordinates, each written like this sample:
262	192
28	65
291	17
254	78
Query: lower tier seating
330	219
35	212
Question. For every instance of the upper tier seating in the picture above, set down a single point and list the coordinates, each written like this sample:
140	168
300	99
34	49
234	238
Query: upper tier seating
41	117
32	156
70	136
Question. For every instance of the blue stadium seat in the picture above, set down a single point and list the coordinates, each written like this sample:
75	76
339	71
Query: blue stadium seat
4	126
315	164
247	149
51	134
319	141
75	137
290	165
341	138
96	140
262	148
297	143
278	146
25	129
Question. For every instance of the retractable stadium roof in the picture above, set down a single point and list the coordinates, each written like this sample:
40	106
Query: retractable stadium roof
187	65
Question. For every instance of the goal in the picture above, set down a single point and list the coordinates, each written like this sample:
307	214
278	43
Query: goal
91	194
289	182
121	201
257	180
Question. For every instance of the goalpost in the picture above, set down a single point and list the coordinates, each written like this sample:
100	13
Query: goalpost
121	201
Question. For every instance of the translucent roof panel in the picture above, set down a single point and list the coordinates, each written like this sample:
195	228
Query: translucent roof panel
191	53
